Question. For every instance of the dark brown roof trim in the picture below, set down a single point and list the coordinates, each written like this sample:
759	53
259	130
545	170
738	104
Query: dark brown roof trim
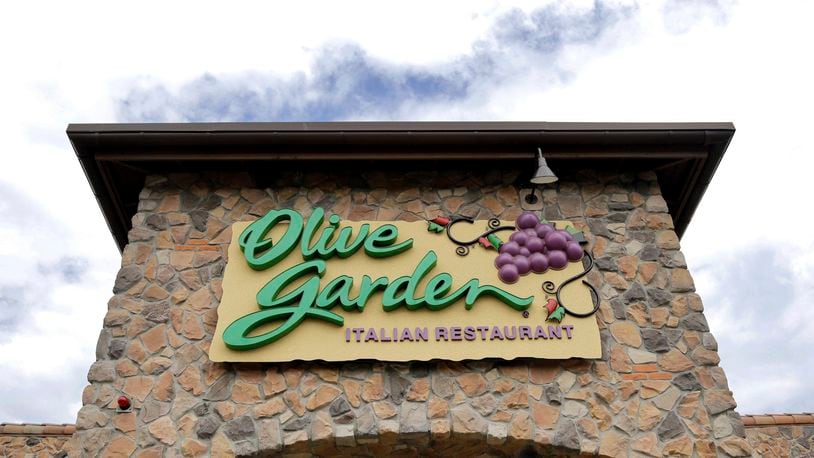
687	153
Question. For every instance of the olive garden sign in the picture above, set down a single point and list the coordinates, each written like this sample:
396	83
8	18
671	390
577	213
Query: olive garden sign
310	289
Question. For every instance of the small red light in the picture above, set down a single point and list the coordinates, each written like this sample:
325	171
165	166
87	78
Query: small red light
124	403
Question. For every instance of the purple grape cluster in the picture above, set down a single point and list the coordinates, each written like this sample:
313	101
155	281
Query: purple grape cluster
535	247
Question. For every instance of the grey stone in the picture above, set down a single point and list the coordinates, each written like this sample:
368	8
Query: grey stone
674	259
597	227
649	253
103	344
398	386
339	406
211	202
199	219
366	424
345	419
655	340
239	428
687	381
670	427
201	409
102	371
245	449
268	436
573	409
709	342
721	426
606	263
553	394
152	410
465	420
618	308
737	424
189	201
297	423
116	348
695	322
672	335
620	206
127	277
658	297
413	418
157	312
156	222
219	391
634	294
643	237
566	435
419	369
485	404
617	217
207	426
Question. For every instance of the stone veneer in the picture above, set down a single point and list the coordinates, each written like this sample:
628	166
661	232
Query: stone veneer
35	441
658	389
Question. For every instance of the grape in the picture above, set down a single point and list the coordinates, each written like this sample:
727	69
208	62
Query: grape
535	244
524	251
573	251
530	233
526	220
557	259
519	237
567	235
522	264
503	259
555	241
510	247
538	262
508	273
543	229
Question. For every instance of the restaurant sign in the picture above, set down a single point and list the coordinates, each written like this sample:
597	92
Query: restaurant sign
303	288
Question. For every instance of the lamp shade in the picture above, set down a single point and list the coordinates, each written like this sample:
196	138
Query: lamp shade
544	174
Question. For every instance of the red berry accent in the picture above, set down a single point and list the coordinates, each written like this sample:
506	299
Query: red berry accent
123	402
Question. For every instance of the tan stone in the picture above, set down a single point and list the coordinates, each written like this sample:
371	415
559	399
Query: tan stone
659	316
308	383
680	280
647	444
353	390
613	443
181	260
517	371
628	265
588	428
689	404
705	357
439	429
652	388
667	240
191	448
221	447
190	380
200	300
544	415
419	390
155	339
138	387
294	402
675	361
373	388
619	361
626	333
273	383
164	389
245	393
385	409
322	396
542	373
192	327
649	416
321	427
125	422
521	428
473	384
518	399
163	429
681	446
437	407
120	447
615	280
125	368
226	410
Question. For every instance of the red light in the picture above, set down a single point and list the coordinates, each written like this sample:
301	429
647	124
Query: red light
124	403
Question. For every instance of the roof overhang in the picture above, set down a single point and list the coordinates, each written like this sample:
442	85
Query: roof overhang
117	157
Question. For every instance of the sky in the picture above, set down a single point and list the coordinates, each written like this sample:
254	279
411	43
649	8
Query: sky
748	246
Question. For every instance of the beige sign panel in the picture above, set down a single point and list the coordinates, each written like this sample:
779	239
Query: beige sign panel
488	329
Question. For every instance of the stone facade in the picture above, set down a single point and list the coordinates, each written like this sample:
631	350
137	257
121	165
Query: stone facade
35	441
658	389
776	436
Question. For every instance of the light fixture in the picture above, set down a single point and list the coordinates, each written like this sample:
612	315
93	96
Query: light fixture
544	175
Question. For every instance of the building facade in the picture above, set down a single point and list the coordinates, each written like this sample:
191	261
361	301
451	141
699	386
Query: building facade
172	193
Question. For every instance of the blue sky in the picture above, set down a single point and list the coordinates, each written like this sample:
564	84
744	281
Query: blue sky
747	247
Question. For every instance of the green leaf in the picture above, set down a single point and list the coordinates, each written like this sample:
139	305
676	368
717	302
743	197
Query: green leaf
557	315
434	227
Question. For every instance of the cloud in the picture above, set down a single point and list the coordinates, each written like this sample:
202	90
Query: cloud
345	82
680	16
757	301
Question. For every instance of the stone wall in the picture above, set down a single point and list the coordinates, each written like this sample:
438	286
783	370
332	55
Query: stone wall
35	441
776	436
657	389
